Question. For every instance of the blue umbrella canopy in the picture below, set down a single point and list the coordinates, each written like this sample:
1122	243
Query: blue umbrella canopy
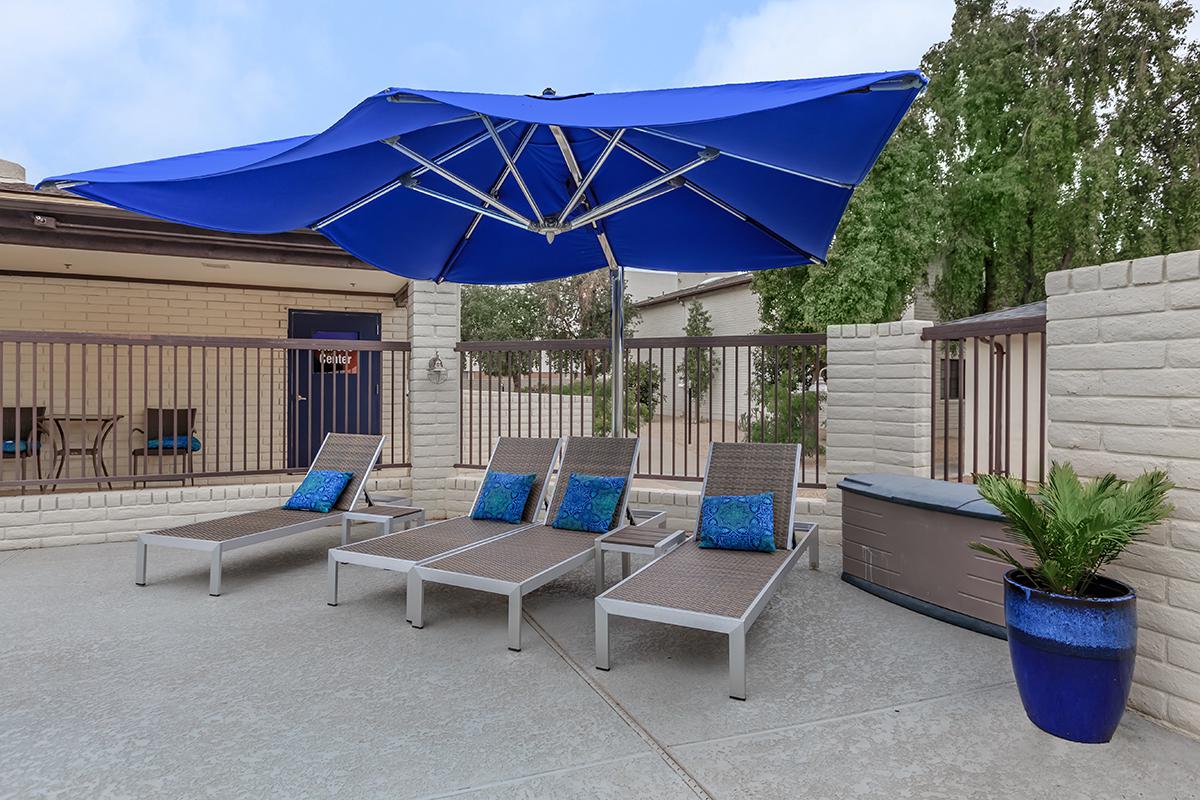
481	188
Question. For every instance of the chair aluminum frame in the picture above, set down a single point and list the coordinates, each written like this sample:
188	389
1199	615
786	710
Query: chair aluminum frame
217	549
338	557
514	590
734	627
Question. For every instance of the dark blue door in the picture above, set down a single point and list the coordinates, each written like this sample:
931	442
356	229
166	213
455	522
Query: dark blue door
331	389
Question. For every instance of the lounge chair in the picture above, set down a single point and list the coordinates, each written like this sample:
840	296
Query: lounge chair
343	452
521	562
400	552
720	590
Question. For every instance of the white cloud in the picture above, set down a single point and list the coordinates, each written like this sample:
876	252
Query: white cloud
803	38
119	81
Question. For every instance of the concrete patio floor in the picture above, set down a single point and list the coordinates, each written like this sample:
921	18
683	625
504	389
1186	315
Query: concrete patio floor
111	690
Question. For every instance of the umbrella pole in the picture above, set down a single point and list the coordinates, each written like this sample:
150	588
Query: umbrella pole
616	282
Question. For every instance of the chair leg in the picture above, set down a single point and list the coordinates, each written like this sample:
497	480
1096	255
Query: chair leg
345	531
414	607
814	550
333	580
737	663
514	621
214	574
601	638
139	571
599	559
626	565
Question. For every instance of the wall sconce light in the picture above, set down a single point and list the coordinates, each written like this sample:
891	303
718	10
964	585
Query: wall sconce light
436	369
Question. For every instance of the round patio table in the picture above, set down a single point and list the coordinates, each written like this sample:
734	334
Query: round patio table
88	443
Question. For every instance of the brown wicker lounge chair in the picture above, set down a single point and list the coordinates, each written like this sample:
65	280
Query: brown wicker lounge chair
720	590
400	552
346	452
517	564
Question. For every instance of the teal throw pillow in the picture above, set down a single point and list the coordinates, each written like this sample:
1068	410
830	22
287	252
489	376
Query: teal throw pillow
738	522
503	497
589	503
319	491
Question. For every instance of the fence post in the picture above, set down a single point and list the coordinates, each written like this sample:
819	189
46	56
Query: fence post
878	407
433	328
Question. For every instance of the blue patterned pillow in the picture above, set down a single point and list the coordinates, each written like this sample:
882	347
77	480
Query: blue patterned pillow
174	443
319	490
589	503
738	522
503	496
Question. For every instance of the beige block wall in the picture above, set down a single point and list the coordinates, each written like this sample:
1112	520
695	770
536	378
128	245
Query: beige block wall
130	308
877	413
434	330
1123	374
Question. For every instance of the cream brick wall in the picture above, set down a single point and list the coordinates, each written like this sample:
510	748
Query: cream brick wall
132	308
877	413
55	520
433	328
1123	375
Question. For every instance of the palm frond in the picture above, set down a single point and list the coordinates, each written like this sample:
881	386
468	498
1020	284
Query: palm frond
1071	530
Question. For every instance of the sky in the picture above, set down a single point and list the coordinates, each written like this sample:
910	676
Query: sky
91	83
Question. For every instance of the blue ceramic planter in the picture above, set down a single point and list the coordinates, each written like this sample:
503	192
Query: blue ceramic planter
1072	656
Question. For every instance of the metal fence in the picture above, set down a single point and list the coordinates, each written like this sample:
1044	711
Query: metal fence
988	397
79	410
681	393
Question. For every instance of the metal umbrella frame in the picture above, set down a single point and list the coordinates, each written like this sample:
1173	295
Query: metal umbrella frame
659	143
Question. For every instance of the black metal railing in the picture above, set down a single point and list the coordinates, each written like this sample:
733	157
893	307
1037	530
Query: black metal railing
82	409
988	397
680	394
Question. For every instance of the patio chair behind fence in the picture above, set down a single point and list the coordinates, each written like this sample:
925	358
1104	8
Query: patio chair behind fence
245	417
681	393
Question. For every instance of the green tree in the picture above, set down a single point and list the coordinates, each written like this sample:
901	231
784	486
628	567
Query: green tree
1044	142
576	307
700	363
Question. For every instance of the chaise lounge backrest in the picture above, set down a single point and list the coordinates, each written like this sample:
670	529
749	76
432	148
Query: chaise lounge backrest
753	468
521	457
605	457
355	453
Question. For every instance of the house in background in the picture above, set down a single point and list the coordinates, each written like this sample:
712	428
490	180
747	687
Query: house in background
117	328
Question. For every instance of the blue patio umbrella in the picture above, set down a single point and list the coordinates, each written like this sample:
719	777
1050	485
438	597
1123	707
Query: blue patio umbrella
501	189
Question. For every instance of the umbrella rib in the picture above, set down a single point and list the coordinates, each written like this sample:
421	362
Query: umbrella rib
454	201
582	186
371	197
461	183
807	176
511	164
626	200
712	198
577	175
456	251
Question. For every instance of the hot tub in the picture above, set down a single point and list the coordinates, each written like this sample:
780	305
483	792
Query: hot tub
905	539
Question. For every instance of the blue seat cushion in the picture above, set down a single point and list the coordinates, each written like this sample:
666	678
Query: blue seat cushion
503	496
319	491
589	503
738	522
14	446
174	443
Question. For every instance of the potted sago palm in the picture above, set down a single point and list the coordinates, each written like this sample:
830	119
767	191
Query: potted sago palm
1072	631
